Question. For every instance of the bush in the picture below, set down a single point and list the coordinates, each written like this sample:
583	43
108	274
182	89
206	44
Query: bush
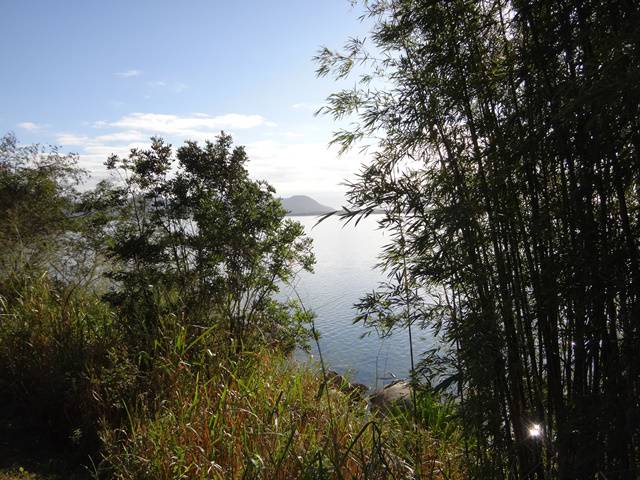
54	343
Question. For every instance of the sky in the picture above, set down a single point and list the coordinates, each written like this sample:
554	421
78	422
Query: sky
101	77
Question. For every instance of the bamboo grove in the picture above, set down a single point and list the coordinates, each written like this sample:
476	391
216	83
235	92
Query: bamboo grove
507	134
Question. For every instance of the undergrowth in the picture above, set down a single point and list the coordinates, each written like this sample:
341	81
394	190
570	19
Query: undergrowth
55	345
74	387
266	417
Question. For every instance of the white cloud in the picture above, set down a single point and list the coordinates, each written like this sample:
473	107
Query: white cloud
129	73
177	87
124	136
72	139
306	106
291	164
138	127
197	126
180	87
133	131
302	168
29	126
88	142
290	134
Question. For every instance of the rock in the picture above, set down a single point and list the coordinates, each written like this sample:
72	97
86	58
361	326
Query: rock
397	394
357	390
339	382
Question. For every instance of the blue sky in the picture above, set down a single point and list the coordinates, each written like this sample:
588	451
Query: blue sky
100	77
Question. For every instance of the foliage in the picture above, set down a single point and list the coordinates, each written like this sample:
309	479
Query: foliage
196	237
55	343
194	256
53	333
180	371
506	160
37	194
262	417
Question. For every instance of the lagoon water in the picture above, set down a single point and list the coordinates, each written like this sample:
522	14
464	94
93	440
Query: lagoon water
344	272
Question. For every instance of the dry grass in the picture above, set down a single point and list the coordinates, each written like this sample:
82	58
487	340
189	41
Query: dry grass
216	414
267	418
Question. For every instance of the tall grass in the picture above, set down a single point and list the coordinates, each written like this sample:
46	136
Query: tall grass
188	406
54	345
263	416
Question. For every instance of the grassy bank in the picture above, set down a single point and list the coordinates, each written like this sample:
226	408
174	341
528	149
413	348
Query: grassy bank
77	395
264	417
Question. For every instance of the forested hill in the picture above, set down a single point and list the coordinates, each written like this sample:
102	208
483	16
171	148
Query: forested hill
303	205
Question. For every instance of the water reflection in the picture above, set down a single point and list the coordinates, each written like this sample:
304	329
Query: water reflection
343	273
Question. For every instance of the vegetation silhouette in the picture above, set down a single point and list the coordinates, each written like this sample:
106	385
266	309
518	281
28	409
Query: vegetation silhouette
506	142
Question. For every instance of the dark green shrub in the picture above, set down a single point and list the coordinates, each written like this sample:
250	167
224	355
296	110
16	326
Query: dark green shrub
54	344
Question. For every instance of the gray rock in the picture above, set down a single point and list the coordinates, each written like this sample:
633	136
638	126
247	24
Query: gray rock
397	394
339	382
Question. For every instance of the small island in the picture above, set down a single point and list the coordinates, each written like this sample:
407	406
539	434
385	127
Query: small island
304	205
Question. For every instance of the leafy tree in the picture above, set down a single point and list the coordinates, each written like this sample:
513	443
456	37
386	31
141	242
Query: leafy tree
507	143
38	191
195	237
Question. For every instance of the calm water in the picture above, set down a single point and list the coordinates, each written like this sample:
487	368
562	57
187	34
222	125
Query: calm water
343	273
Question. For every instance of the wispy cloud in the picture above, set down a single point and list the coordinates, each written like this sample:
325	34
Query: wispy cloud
129	73
177	87
196	126
180	87
115	137
29	126
71	139
133	131
307	106
289	164
119	137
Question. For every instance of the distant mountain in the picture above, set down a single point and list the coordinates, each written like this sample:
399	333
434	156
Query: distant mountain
303	205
